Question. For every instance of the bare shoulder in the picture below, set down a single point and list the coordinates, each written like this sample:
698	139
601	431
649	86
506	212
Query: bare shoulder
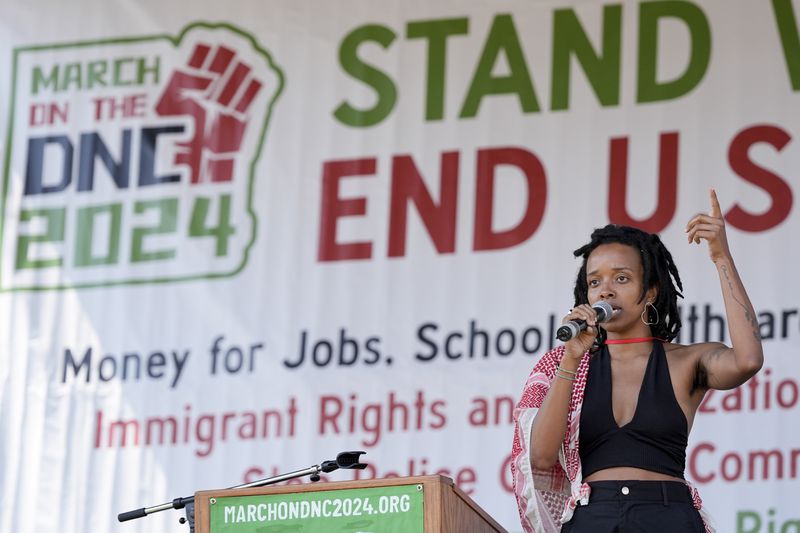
692	358
694	352
686	366
682	357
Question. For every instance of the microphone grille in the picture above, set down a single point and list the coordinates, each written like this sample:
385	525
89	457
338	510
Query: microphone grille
604	310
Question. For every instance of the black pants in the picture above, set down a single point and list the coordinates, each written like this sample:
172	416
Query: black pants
636	507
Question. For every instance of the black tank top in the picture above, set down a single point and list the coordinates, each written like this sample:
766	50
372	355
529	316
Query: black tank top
655	439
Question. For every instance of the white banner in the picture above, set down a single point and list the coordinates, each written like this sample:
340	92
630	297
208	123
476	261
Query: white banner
239	238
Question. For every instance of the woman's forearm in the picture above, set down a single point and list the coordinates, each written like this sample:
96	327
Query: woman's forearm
550	424
742	319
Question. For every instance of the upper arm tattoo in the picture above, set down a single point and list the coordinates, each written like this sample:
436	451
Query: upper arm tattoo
717	352
702	377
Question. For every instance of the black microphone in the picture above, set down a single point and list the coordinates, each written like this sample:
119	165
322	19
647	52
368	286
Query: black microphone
573	328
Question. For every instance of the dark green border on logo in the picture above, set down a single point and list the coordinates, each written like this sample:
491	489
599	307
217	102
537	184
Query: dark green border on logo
176	42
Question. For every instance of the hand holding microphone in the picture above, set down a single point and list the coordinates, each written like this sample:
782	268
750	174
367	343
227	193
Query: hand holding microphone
572	328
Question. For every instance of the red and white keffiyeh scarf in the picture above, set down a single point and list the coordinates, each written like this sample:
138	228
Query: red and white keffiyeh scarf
547	498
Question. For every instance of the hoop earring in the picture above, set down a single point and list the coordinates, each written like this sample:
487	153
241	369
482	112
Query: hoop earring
646	321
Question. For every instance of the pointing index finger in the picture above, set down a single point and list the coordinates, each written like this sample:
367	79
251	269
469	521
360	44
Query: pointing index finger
716	211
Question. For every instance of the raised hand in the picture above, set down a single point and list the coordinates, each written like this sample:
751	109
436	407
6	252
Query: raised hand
579	345
216	90
710	228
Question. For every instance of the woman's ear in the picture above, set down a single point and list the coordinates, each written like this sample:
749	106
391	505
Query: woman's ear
651	295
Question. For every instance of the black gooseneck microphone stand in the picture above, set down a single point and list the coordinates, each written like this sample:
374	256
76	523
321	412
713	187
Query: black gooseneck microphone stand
345	460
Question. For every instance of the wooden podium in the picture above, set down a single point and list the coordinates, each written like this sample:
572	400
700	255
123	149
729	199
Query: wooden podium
445	508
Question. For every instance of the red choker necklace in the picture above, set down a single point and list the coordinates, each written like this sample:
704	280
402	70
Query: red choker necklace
634	340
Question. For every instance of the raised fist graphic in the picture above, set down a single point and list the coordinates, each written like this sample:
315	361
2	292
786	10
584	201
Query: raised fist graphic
216	90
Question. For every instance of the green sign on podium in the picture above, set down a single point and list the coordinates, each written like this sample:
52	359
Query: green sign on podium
391	509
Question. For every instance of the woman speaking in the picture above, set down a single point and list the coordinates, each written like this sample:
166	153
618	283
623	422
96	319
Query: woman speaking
603	422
